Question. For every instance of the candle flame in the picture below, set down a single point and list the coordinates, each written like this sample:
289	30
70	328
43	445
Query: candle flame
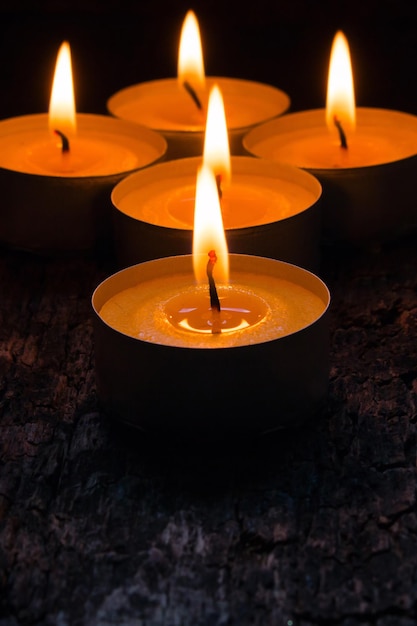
190	56
62	103
208	228
340	103
216	153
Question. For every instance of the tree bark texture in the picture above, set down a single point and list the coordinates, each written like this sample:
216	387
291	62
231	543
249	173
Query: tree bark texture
101	526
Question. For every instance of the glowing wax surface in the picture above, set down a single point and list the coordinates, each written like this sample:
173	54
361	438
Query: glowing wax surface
303	140
101	147
145	311
166	106
259	192
244	203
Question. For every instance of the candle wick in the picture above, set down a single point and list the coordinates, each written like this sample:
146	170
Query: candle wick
65	147
219	184
191	91
214	298
343	142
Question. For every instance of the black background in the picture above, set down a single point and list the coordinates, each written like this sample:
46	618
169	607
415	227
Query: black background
286	44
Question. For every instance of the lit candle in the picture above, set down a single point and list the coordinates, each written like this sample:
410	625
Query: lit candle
57	170
177	107
268	209
182	347
365	158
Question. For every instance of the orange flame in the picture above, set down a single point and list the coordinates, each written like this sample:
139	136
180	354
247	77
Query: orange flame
62	103
216	153
340	102
208	228
190	56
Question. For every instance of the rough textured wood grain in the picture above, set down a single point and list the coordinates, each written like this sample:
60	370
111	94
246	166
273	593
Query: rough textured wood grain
101	526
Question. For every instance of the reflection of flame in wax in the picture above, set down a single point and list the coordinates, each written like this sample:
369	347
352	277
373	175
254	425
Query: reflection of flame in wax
187	322
239	310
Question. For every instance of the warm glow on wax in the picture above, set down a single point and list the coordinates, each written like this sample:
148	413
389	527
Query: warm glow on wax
216	153
340	102
208	229
190	56
62	103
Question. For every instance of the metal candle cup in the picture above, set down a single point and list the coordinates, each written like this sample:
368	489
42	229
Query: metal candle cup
368	190
49	211
154	211
200	390
166	107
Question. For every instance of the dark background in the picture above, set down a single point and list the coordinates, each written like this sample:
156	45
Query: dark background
287	44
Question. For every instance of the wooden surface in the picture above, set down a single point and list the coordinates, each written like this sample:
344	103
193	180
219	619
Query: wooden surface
101	526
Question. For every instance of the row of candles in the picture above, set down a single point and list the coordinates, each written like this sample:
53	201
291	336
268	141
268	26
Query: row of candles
184	342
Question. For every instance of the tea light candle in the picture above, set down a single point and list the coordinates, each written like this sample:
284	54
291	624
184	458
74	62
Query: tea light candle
166	105
170	360
268	209
102	147
363	181
56	185
382	137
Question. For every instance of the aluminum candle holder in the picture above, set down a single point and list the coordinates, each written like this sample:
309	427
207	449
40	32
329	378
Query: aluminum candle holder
178	382
368	189
269	209
48	209
164	107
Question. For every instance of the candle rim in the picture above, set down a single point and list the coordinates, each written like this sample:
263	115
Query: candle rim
239	263
282	100
239	165
291	122
137	135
